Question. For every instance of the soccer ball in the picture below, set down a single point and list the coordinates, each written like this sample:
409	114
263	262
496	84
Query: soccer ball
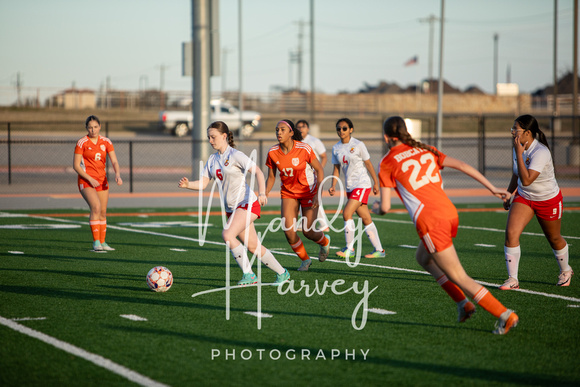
159	279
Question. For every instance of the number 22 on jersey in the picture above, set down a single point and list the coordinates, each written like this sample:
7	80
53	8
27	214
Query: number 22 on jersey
419	178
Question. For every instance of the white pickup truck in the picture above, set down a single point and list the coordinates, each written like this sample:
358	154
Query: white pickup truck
180	122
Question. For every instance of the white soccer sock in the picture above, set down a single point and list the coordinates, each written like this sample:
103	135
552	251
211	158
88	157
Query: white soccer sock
269	260
373	235
349	230
241	257
322	223
512	260
562	258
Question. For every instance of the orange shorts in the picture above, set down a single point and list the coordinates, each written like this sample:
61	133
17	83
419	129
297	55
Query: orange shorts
304	202
437	234
83	183
256	209
360	194
550	209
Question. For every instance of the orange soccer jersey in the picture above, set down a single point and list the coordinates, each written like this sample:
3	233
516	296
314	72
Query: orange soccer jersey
414	174
296	175
94	156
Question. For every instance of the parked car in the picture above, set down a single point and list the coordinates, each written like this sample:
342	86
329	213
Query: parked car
180	122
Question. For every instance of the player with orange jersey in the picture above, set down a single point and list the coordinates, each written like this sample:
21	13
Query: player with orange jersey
90	161
300	174
412	169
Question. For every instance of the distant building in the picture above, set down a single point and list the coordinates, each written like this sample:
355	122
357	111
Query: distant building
75	99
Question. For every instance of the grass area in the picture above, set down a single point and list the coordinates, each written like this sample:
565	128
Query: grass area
52	283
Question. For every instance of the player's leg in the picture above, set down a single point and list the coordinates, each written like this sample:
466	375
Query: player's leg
104	199
92	199
552	231
310	214
235	226
350	208
289	218
249	238
519	216
371	231
464	307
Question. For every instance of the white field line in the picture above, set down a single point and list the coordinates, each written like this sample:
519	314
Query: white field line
573	299
79	352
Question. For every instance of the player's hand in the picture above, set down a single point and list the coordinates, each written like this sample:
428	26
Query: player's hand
262	199
183	183
518	146
376	189
119	180
331	191
94	182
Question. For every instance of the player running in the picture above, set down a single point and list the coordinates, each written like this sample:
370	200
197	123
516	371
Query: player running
300	174
353	157
90	162
412	169
229	166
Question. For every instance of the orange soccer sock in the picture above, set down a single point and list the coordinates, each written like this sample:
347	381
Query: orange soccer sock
103	227
95	229
453	290
324	241
299	249
488	302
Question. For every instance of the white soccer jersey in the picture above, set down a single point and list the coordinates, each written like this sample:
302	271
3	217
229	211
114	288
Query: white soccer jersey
315	144
230	170
351	157
538	158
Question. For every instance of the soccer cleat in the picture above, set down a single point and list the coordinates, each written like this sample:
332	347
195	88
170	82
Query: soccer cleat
106	247
282	278
305	265
465	311
508	319
324	250
376	254
345	252
510	283
565	277
97	246
247	279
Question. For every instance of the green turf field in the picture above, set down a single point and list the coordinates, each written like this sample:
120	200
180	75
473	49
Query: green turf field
385	322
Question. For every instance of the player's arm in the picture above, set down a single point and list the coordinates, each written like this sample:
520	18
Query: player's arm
381	207
476	175
116	168
194	185
271	180
78	158
323	159
513	185
371	170
262	198
336	174
527	176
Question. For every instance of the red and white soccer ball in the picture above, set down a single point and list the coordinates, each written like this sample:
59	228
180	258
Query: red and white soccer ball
159	279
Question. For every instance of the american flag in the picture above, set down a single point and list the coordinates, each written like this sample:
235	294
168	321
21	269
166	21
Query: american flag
412	61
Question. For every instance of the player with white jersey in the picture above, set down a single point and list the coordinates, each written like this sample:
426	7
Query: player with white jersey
320	151
537	194
229	167
413	170
90	162
351	155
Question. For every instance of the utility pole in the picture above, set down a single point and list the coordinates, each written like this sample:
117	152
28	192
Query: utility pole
555	57
299	52
441	80
225	52
161	84
312	101
431	20
495	61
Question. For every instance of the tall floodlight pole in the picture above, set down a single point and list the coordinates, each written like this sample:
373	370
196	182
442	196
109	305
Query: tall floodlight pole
440	83
200	87
555	104
240	92
312	107
575	131
495	61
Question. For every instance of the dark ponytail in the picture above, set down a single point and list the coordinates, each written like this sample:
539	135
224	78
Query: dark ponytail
222	127
528	122
297	136
395	127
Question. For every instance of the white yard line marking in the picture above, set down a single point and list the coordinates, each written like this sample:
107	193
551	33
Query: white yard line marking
408	246
381	311
328	260
483	245
28	319
256	314
180	250
16	252
79	352
133	317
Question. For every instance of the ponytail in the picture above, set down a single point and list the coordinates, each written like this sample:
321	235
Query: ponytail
395	127
529	122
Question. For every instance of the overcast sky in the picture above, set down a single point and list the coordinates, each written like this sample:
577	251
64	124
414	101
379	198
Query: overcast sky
54	44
